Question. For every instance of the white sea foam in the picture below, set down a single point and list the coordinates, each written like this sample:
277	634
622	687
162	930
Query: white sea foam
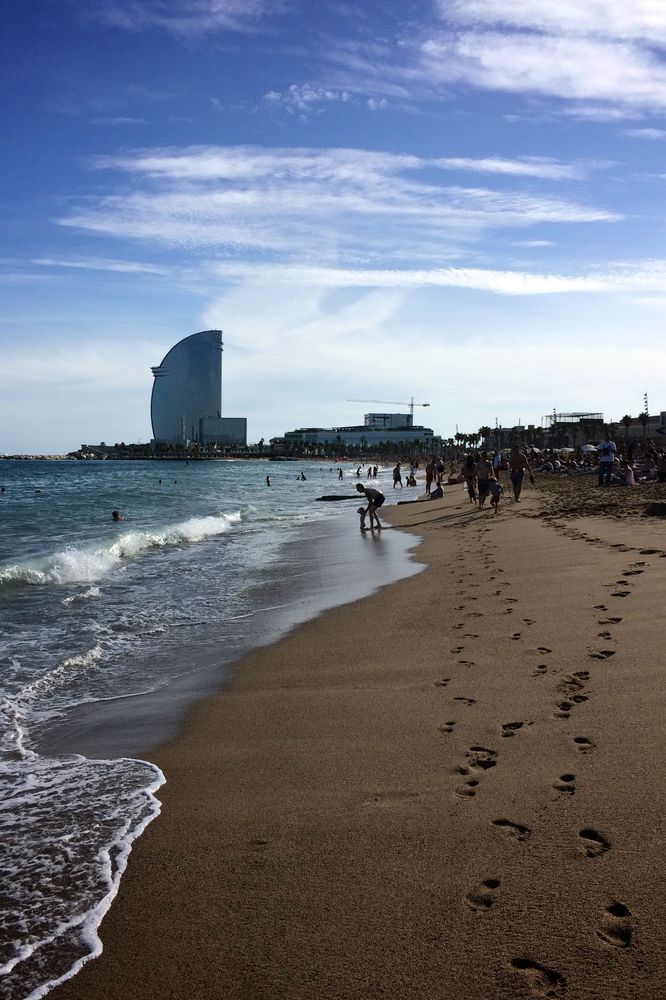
83	596
79	819
89	564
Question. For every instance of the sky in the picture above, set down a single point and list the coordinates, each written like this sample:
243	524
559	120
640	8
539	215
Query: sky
459	202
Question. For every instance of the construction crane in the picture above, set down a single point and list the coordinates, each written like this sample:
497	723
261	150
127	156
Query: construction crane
391	402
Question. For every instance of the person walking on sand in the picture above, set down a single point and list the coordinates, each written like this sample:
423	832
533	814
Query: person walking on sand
518	464
375	499
469	475
495	490
397	476
484	471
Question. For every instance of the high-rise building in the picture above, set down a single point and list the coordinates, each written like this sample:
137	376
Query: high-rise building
186	402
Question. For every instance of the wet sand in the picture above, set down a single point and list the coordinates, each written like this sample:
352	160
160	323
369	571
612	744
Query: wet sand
451	788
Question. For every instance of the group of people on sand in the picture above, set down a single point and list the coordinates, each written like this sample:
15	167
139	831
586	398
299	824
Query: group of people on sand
613	464
481	472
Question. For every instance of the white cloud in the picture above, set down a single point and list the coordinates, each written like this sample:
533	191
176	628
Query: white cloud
602	58
101	264
651	134
341	204
541	167
304	99
188	19
643	20
574	68
645	276
533	243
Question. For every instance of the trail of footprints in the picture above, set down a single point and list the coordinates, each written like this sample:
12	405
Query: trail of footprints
615	926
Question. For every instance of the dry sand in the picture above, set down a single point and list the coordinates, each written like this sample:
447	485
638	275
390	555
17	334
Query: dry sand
451	789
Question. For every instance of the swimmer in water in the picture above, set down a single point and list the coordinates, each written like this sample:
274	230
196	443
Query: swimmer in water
117	516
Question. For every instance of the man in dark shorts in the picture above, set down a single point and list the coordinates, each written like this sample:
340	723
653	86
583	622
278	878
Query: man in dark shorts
375	499
518	464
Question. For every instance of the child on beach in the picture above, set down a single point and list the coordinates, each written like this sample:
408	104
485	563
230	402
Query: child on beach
495	490
362	511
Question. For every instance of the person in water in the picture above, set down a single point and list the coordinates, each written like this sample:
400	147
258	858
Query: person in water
117	516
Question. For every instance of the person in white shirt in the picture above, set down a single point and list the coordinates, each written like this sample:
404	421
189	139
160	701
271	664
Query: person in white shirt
606	450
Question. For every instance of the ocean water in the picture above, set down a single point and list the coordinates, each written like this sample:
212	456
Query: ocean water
109	631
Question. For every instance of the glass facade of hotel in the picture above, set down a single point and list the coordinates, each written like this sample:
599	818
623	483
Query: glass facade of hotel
187	388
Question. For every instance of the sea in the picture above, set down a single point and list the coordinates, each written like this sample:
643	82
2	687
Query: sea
110	630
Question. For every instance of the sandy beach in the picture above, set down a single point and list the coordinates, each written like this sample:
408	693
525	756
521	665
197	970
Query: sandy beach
452	788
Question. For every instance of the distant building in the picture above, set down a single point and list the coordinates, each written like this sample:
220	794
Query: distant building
186	402
378	429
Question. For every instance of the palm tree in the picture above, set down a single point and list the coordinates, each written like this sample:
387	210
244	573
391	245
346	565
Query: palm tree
626	423
644	418
485	433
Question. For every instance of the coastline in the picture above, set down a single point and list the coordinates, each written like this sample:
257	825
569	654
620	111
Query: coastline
351	819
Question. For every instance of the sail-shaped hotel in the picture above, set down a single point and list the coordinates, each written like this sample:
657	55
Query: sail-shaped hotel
186	402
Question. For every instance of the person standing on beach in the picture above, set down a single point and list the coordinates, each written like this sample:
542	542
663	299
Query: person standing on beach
484	471
606	449
469	475
430	474
397	476
518	464
375	499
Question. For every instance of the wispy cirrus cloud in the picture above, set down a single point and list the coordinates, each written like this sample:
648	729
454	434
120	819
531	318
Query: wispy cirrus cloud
647	277
346	204
651	134
100	264
599	59
642	20
188	19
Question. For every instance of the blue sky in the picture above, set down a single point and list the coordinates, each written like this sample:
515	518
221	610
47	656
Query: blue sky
456	200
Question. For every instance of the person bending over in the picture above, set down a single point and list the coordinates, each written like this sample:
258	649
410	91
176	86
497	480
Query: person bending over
375	499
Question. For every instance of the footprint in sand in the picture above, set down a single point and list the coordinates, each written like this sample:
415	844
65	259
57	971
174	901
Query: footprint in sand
540	670
563	710
616	926
544	982
516	635
583	745
515	830
632	572
511	728
600	607
602	654
566	784
543	649
529	621
468	789
484	898
481	758
448	726
621	593
593	843
457	649
443	682
604	635
470	635
573	682
466	701
467	663
511	600
609	621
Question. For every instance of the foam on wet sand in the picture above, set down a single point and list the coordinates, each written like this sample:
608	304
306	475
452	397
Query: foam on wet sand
450	788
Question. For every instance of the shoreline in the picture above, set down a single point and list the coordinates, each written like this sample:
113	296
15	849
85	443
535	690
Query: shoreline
349	819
